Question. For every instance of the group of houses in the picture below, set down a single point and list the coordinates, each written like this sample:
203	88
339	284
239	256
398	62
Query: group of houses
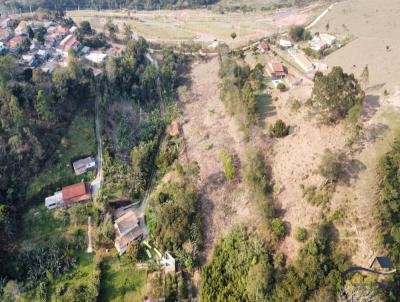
54	50
319	42
74	194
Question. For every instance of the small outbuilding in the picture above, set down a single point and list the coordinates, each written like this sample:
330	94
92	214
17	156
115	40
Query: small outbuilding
54	201
285	43
96	57
380	263
82	165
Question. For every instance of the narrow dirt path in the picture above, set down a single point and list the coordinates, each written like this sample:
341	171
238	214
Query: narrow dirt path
90	245
207	130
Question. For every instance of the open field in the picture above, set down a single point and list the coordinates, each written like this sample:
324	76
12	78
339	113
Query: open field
201	25
207	130
121	281
374	24
80	141
296	157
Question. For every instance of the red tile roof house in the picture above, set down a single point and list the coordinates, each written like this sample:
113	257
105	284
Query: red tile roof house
4	22
52	39
276	70
76	193
14	42
70	195
4	34
69	42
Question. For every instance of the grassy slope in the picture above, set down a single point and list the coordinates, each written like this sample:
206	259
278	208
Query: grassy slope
121	281
58	171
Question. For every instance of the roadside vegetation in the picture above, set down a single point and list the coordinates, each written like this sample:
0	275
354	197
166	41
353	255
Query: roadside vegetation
388	212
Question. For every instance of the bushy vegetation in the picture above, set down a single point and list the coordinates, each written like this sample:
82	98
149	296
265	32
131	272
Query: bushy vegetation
228	165
133	82
169	287
103	4
256	174
237	90
388	211
279	129
242	270
173	216
299	33
301	234
334	94
35	112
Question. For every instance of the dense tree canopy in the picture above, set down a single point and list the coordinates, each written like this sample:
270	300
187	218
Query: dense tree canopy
242	269
334	94
104	4
389	211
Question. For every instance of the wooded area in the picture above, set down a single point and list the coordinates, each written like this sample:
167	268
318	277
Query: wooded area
103	4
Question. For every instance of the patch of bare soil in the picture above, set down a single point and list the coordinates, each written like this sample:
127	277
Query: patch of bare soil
207	129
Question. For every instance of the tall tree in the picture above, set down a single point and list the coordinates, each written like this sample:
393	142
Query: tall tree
334	94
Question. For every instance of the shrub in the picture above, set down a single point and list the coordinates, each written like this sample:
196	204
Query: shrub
278	228
301	234
281	87
298	33
133	252
279	129
229	167
318	196
256	174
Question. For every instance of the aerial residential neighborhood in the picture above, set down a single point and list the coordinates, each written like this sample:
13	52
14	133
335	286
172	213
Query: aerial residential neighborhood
202	151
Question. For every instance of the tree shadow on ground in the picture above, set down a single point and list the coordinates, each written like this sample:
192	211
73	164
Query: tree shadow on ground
351	169
371	106
374	132
264	108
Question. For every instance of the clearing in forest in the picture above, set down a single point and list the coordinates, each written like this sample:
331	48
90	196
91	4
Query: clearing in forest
208	130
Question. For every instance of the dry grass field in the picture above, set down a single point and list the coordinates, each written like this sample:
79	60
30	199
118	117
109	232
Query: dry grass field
202	25
373	28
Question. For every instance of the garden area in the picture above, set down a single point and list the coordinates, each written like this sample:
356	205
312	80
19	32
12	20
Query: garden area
121	281
79	142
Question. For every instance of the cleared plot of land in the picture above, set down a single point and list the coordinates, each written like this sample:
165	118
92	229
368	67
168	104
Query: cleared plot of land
207	130
80	141
201	25
295	158
374	25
